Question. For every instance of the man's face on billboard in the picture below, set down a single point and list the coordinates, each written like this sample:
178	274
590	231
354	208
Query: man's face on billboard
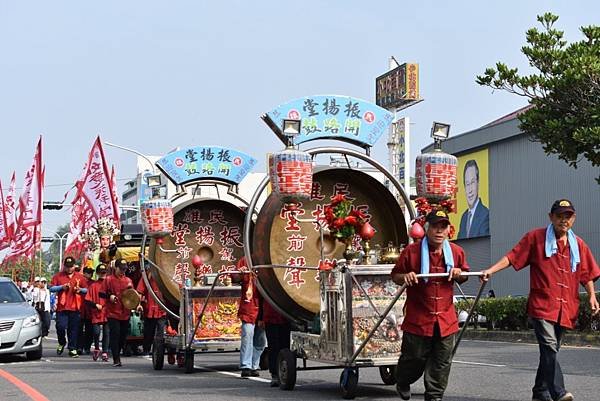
471	186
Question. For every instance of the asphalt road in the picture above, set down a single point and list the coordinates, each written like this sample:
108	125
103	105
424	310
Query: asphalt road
487	371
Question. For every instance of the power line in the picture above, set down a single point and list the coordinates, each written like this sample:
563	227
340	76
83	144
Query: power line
64	185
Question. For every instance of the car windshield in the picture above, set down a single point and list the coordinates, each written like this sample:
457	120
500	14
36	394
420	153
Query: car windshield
9	293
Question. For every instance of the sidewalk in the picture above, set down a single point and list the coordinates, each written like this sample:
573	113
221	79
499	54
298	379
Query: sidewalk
527	336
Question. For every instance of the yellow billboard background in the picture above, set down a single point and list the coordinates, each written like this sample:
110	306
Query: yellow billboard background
481	158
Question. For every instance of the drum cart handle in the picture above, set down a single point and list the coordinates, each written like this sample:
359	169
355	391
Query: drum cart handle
397	296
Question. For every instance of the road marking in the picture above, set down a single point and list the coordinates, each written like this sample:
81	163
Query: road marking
51	338
25	362
479	364
24	387
232	374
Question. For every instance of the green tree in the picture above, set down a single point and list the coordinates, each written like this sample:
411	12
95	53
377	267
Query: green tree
564	92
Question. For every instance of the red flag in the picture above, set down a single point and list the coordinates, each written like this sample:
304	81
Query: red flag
96	186
10	209
95	198
4	239
30	208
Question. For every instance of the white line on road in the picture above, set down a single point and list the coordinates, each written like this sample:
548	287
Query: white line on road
237	375
479	364
25	362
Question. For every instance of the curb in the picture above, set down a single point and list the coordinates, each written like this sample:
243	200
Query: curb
572	339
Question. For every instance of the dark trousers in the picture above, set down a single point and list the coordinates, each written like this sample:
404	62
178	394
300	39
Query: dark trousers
278	338
84	338
101	328
549	381
118	335
153	328
427	356
67	322
45	318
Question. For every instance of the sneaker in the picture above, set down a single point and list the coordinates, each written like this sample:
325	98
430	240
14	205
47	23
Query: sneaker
403	391
171	359
96	354
274	381
104	357
245	373
60	349
566	397
254	373
117	364
73	354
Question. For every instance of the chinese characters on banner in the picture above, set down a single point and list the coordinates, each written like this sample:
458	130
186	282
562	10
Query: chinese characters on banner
206	162
335	117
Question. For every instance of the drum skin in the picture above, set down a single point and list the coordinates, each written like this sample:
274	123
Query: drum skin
280	239
210	228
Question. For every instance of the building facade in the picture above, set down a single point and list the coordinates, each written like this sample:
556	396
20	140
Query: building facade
522	184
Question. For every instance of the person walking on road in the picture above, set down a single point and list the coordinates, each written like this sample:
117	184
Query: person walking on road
117	314
155	318
558	262
96	300
71	288
431	323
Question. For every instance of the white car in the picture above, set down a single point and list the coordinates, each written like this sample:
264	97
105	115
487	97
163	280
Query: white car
463	314
20	324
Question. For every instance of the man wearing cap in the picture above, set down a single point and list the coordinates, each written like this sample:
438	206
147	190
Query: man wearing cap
41	302
117	314
71	288
155	318
558	262
431	322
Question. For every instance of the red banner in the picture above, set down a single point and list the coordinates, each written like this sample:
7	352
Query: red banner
96	198
4	239
10	209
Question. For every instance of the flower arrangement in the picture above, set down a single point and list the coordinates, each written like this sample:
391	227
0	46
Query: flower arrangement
345	221
424	207
103	226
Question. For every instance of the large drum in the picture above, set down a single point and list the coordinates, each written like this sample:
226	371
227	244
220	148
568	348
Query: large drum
280	239
210	228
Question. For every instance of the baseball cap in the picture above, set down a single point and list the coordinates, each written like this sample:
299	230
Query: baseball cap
69	261
88	270
121	264
36	278
43	279
437	216
561	206
101	268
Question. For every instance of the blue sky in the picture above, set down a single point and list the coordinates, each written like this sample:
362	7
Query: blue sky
155	75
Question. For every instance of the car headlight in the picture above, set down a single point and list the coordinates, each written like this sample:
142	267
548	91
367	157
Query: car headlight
31	321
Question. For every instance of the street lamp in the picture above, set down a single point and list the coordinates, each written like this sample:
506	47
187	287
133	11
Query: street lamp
291	129
439	132
60	238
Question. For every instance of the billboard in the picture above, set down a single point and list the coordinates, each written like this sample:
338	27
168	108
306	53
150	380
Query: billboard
398	87
472	218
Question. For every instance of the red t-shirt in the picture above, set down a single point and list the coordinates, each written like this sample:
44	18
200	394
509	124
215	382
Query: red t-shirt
554	289
429	302
97	295
115	286
69	300
151	310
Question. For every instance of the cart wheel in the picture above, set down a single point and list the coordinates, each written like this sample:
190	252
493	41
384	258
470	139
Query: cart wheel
158	354
388	374
349	383
264	359
287	369
188	361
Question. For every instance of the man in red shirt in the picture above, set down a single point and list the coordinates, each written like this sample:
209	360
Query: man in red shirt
559	261
431	322
155	318
117	314
71	288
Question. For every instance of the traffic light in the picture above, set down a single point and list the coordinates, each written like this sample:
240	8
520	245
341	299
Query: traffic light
53	205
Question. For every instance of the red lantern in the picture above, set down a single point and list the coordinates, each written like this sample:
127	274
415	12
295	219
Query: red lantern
157	217
196	261
436	175
291	173
367	231
416	231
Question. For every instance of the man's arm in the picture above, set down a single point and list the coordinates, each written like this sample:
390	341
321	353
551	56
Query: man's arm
502	264
589	287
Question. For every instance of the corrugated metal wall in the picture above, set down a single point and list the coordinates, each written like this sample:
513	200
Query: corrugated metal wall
477	251
523	184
